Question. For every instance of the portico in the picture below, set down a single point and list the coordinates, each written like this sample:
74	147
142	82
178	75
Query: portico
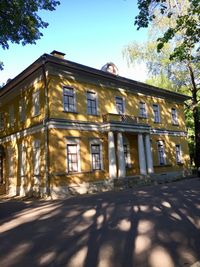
116	156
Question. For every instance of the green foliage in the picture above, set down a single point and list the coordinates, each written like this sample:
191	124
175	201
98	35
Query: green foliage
19	21
187	22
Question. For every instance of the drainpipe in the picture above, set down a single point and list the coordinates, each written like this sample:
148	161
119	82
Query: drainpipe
45	124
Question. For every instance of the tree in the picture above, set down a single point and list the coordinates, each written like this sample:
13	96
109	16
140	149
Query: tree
182	32
19	21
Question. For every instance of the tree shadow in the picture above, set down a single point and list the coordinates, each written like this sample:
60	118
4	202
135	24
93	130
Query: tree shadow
148	227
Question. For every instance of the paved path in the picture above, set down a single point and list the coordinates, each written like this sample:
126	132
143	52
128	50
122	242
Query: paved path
156	226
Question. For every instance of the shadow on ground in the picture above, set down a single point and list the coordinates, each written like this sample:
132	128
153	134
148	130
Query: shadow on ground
155	226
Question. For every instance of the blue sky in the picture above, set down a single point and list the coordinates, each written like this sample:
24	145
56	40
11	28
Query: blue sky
89	32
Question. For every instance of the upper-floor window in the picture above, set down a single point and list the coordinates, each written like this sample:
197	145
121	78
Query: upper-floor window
69	99
36	103
1	120
143	110
120	105
174	116
178	154
156	111
91	103
22	110
161	153
11	116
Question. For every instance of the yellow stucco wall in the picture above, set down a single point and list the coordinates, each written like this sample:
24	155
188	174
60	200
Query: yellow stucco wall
106	103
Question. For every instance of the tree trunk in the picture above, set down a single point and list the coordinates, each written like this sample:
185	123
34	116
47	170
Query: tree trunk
196	116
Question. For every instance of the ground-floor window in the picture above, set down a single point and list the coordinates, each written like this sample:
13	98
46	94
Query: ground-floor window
96	154
178	154
36	157
73	155
22	159
10	161
161	153
127	156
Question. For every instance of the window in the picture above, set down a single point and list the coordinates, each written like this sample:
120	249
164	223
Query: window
1	120
91	103
161	153
178	154
36	157
156	111
127	156
22	110
174	116
36	103
10	162
143	110
22	159
11	116
96	157
119	105
72	157
69	99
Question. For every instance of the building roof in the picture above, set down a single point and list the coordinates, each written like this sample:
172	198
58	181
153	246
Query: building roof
116	79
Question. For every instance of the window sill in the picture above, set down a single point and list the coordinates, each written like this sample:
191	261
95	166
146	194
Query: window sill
175	124
73	112
157	122
93	115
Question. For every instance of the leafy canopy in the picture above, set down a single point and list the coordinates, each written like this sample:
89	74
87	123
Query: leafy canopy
19	21
187	23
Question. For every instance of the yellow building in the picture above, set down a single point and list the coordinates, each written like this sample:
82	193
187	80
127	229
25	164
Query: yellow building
67	127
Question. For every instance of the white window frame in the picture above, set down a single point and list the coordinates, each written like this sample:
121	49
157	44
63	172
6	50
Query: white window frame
22	110
161	143
174	116
11	116
179	158
36	157
66	108
1	120
22	159
95	99
73	141
123	105
157	119
36	103
96	142
143	107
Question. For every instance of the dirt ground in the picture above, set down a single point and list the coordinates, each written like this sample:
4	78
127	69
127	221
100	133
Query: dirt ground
154	226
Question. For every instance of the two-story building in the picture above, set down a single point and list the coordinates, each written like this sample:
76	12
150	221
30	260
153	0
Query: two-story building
65	126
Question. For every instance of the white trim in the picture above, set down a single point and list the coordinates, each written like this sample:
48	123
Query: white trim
73	141
23	133
168	132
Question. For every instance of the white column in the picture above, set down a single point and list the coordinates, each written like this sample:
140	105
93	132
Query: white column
142	159
148	154
112	156
120	156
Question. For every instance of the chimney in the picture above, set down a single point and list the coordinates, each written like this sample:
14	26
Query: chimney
58	54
